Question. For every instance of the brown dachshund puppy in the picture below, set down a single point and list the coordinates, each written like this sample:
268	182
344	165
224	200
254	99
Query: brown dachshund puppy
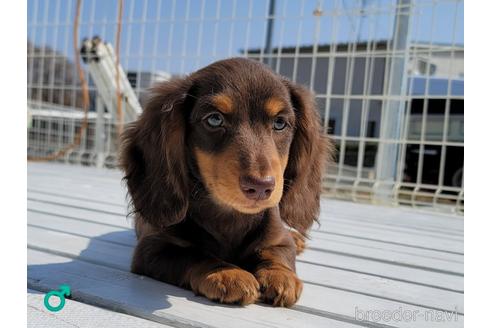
217	165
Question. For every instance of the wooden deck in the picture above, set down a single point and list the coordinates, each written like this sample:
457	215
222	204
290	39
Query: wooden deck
365	264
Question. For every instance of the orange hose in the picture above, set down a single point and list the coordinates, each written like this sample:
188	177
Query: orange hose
119	110
85	97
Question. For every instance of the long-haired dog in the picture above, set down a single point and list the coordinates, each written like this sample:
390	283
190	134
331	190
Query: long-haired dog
219	166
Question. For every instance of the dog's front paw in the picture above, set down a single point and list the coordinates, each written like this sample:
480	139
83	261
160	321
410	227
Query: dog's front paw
228	285
279	287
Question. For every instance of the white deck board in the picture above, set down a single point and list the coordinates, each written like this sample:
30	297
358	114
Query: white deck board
398	238
77	314
326	245
143	297
118	256
429	241
343	261
314	272
393	216
361	257
384	270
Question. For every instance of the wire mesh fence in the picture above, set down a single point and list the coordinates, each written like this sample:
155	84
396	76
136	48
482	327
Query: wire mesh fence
388	77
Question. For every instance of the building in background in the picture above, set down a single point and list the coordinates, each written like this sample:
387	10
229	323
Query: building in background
357	78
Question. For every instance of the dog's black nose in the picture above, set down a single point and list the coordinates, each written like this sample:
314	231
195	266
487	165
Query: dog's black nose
257	188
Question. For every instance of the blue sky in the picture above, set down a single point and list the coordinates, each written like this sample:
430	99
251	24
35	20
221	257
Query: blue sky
152	40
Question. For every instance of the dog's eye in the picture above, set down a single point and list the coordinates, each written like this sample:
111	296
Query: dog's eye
215	120
279	123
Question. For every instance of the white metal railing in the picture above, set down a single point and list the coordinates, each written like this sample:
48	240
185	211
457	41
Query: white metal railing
388	77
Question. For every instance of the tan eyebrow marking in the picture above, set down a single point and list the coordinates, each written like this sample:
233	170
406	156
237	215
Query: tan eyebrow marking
223	103
273	106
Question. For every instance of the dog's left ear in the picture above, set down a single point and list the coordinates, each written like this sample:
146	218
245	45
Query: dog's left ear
309	151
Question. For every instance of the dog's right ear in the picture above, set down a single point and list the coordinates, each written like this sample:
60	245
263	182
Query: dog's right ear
153	155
